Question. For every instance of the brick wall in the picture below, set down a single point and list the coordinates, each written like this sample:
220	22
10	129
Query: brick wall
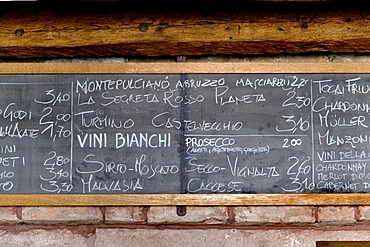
257	226
201	226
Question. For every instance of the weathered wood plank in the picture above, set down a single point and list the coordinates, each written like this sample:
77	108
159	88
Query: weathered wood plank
343	244
112	30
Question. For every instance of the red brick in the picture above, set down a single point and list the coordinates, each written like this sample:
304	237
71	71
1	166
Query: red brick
8	215
203	215
336	215
124	215
45	238
274	214
54	215
223	237
364	213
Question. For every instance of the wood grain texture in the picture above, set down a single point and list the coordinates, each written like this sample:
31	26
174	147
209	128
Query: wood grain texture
167	68
343	244
184	199
112	30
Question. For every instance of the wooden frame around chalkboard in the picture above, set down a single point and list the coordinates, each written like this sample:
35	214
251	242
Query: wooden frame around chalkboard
181	199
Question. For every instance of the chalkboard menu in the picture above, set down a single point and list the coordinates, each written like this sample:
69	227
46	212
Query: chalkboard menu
193	133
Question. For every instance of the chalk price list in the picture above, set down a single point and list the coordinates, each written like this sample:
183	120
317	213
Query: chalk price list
238	133
313	139
264	154
298	126
55	123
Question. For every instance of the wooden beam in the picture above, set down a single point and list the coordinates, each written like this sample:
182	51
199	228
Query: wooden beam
112	30
182	68
343	244
183	199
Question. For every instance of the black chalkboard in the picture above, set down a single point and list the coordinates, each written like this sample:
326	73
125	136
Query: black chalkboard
184	133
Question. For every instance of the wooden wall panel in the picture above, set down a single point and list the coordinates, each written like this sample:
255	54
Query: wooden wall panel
75	30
